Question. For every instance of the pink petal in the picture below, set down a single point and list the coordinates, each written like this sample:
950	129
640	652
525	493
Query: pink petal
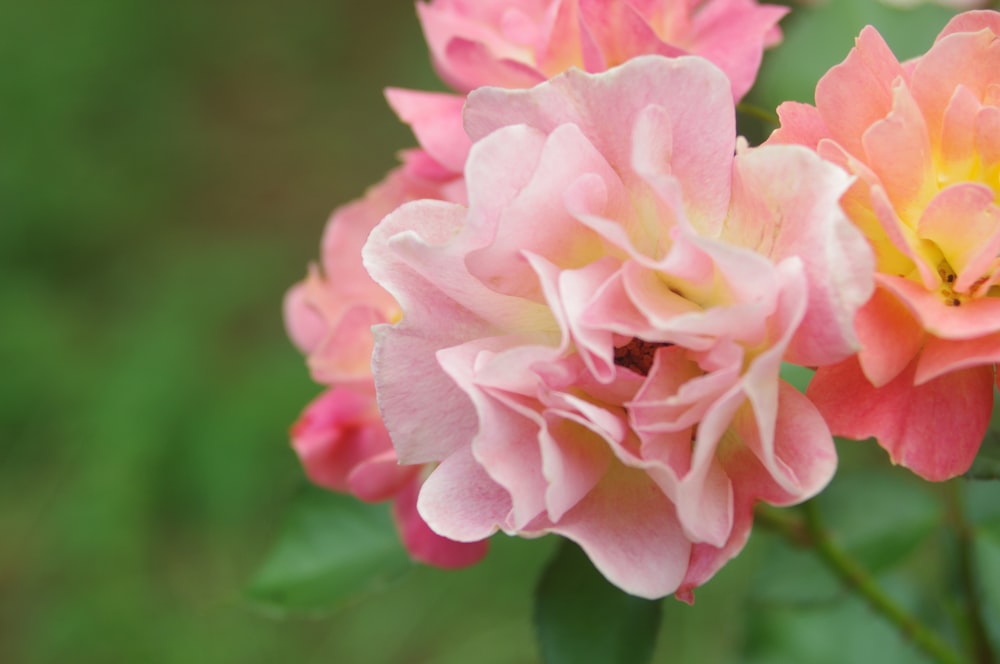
942	356
964	223
858	92
535	220
593	343
426	546
957	141
890	337
804	451
785	203
733	35
340	431
705	495
466	51
974	318
304	325
677	393
899	153
796	464
460	501
694	94
345	352
971	21
573	459
620	33
761	382
473	64
969	59
800	124
562	43
904	239
706	559
427	420
934	429
436	120
380	477
628	529
506	444
988	141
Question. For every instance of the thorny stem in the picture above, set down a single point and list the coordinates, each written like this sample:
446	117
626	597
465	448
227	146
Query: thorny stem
981	647
811	533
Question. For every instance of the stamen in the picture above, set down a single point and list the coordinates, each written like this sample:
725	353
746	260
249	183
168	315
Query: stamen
638	355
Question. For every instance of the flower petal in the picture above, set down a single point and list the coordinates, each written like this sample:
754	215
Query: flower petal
628	529
460	501
426	546
934	429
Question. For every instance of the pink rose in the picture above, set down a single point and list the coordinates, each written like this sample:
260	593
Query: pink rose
592	346
518	44
923	138
340	438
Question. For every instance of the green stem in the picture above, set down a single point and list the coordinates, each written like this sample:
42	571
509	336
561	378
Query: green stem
758	112
858	578
784	522
981	646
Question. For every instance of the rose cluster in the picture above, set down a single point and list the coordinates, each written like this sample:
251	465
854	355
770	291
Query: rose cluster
567	310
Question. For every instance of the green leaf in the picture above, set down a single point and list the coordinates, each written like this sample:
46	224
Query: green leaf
881	515
334	548
841	631
792	577
581	617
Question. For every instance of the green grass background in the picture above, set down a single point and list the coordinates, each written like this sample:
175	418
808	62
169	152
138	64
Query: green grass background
165	173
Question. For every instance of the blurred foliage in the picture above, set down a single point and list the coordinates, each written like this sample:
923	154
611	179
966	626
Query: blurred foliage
165	172
580	616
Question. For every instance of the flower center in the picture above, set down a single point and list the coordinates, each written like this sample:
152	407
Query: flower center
954	298
947	290
637	355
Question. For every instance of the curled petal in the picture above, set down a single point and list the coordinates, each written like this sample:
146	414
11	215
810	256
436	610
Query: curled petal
426	546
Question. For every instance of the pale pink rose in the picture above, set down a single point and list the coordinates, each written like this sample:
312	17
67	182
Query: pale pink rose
519	43
591	347
344	447
923	138
340	438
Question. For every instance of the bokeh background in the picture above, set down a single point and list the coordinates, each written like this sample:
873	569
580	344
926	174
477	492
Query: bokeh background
165	173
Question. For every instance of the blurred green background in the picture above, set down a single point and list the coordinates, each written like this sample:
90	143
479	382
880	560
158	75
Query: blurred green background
165	173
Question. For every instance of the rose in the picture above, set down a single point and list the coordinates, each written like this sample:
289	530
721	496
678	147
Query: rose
923	139
592	346
519	44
